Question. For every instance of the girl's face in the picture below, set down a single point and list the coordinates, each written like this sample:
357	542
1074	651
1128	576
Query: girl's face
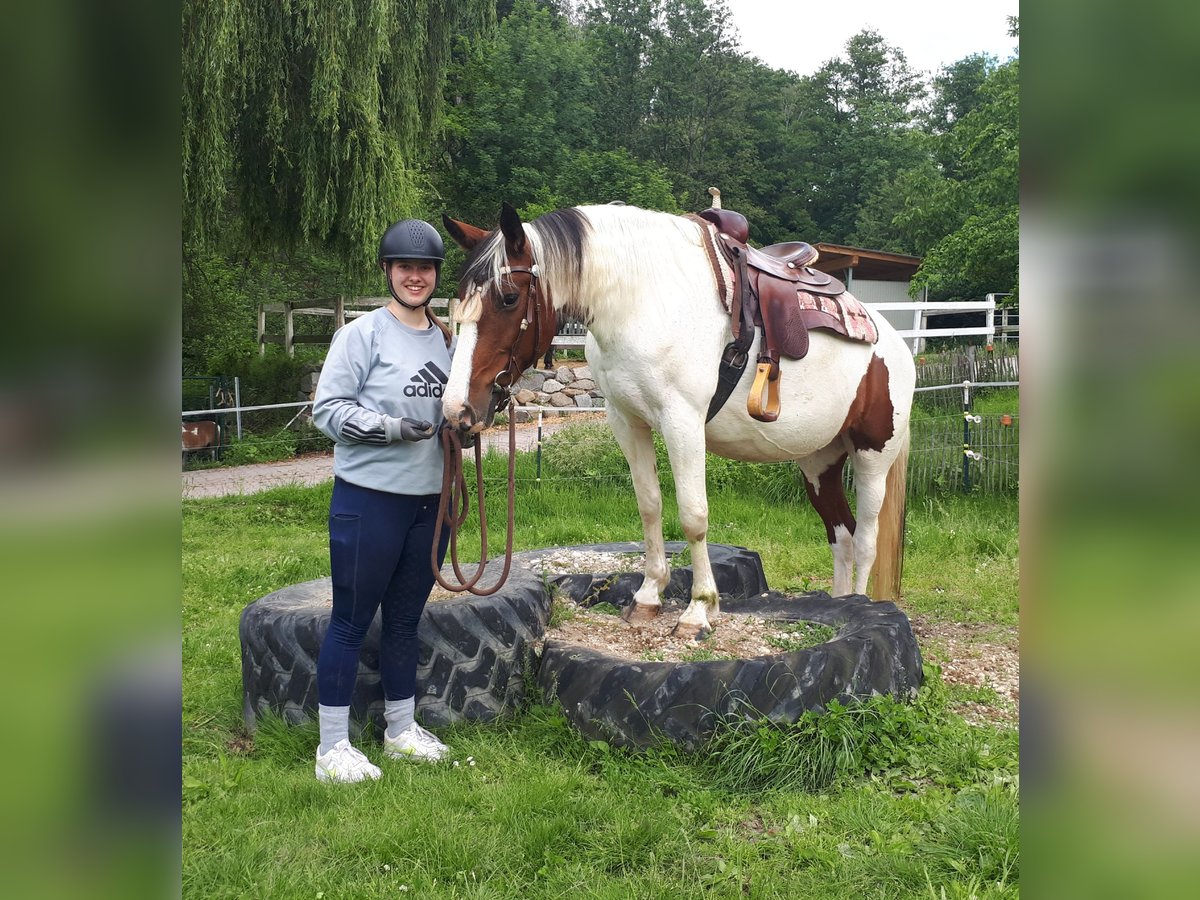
412	279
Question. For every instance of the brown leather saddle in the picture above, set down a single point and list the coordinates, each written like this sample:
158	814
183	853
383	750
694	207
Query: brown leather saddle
776	289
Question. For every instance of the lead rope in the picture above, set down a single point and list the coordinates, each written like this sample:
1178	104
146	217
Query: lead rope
454	496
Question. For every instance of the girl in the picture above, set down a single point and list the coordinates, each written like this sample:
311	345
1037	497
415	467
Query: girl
378	397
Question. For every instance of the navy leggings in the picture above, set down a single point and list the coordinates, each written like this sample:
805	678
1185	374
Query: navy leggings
379	549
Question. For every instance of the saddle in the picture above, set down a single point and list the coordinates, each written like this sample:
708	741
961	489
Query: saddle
776	289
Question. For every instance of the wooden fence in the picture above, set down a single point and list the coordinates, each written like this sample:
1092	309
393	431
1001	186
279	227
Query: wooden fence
339	309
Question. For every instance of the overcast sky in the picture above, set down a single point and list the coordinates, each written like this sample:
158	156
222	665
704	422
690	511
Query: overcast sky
932	33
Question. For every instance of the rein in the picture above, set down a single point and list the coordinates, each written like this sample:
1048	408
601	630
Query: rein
454	497
453	505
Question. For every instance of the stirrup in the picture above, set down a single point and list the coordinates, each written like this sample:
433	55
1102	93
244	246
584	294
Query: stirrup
766	382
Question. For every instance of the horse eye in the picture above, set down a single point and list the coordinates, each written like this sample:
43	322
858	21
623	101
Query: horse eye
508	301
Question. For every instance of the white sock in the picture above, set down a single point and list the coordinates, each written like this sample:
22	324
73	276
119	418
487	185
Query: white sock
335	726
399	715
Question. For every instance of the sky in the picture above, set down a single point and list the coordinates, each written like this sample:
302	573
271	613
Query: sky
932	33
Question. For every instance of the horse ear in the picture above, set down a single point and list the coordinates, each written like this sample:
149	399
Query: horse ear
510	224
466	236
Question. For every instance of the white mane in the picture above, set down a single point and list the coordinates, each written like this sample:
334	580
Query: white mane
593	259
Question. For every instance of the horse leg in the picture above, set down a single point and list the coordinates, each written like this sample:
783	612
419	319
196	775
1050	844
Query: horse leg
687	467
638	446
870	487
823	482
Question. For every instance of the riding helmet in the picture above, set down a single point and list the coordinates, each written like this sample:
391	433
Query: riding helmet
411	239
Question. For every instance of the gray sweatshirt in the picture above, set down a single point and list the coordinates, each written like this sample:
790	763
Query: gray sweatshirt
378	371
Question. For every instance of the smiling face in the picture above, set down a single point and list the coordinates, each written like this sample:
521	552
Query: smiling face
413	280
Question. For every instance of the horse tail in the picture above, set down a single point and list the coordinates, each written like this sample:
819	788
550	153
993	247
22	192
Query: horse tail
889	543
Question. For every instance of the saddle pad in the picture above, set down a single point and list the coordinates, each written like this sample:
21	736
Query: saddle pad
843	314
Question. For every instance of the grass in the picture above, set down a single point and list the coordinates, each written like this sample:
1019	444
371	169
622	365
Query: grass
878	800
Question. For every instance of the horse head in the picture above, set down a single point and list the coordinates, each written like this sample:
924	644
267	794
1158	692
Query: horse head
506	317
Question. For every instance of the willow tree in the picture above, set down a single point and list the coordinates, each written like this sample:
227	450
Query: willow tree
307	121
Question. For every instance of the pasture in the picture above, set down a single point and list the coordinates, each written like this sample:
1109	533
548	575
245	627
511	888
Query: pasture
881	800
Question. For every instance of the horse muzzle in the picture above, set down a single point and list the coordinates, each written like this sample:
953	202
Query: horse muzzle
467	419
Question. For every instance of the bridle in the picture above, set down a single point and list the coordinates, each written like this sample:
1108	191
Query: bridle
538	306
453	505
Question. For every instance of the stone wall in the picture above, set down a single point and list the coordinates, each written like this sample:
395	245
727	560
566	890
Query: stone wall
564	387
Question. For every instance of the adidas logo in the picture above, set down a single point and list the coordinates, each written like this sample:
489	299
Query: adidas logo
429	381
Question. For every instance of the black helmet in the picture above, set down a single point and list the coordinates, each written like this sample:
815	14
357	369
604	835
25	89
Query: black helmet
412	239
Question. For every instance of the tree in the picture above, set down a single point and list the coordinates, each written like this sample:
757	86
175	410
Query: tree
523	102
309	122
979	255
863	125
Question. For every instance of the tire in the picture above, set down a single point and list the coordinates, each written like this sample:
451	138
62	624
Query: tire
737	571
643	704
474	653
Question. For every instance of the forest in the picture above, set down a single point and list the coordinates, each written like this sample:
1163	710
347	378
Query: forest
309	126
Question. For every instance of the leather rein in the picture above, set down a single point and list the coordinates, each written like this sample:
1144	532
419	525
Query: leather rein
453	504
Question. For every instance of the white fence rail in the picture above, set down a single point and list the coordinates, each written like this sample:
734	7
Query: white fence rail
572	335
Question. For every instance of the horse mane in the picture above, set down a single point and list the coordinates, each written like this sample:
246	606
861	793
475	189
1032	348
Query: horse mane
618	248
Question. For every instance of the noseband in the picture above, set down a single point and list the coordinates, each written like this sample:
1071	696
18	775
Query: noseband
533	313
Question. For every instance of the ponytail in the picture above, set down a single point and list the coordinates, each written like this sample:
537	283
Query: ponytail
447	334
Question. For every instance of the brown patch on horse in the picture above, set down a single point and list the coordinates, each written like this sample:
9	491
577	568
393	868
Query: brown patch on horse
869	422
829	499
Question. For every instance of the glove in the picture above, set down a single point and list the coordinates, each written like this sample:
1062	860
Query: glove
405	429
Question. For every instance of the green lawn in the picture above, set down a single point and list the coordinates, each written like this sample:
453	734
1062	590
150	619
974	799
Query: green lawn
911	802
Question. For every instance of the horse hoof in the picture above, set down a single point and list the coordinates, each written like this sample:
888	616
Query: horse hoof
688	631
637	613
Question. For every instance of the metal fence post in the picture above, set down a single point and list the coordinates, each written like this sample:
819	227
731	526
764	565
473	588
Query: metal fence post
968	453
539	450
237	401
966	473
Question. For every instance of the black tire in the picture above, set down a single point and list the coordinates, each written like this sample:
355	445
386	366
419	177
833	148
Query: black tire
737	571
642	704
473	653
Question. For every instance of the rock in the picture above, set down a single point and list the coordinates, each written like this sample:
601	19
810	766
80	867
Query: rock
531	381
525	397
543	397
583	401
564	374
573	391
595	395
560	399
585	384
522	415
551	385
308	382
583	372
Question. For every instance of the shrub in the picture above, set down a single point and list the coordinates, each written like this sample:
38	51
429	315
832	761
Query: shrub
253	448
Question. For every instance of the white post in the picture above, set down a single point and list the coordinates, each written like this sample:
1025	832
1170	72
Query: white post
237	402
262	329
289	328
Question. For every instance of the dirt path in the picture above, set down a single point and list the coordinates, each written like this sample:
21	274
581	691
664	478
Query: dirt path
316	468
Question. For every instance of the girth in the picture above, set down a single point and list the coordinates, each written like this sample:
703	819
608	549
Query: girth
775	289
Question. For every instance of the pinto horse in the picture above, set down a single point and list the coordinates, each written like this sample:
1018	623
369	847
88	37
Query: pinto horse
196	436
643	283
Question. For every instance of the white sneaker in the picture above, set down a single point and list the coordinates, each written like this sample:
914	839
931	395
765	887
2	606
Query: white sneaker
344	764
414	742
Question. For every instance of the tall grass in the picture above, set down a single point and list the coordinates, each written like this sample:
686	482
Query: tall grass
878	800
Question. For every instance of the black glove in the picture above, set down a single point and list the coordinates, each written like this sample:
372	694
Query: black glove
405	429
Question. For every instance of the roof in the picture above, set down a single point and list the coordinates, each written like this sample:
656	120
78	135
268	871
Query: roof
874	265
